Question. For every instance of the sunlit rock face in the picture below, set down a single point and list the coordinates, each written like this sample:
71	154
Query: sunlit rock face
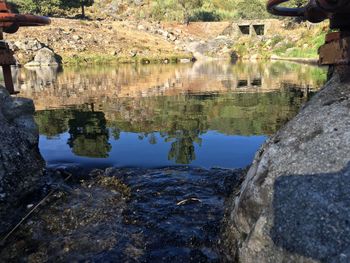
294	205
20	162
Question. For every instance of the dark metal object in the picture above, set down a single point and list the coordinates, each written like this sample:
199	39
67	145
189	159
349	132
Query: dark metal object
336	50
10	23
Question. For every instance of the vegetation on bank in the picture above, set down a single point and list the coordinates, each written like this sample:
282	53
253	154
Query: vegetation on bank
96	59
160	10
207	10
294	40
50	7
301	41
169	10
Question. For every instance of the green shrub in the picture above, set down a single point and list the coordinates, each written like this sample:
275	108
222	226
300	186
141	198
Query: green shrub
205	16
253	9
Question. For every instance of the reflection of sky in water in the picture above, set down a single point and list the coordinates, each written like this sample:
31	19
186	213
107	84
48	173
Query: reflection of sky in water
215	150
206	114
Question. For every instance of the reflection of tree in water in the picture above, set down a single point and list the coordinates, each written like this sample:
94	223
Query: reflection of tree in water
88	134
179	120
184	130
182	150
52	122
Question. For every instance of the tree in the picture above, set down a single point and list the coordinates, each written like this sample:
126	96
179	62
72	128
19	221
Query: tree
89	135
42	7
52	123
188	7
68	4
253	9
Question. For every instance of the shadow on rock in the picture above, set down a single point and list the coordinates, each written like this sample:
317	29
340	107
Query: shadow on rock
312	215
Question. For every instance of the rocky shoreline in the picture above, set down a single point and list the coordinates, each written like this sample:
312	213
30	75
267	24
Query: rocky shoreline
293	205
21	165
69	41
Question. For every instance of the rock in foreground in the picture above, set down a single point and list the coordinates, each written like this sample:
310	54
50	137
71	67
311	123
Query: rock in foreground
21	164
294	204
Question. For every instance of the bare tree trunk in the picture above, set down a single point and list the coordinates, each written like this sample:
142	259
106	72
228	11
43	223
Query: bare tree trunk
186	17
83	10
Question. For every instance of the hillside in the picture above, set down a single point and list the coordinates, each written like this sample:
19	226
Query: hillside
121	31
165	10
96	41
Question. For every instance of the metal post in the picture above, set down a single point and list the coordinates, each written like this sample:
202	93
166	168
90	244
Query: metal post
10	23
6	69
336	50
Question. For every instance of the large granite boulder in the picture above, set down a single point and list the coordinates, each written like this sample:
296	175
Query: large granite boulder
33	53
220	47
21	165
43	57
294	205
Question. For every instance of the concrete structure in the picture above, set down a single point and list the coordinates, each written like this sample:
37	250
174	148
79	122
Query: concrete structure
253	27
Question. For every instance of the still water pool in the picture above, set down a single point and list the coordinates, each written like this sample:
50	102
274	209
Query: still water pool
146	121
207	115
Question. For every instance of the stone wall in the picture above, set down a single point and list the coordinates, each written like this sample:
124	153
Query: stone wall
294	205
21	165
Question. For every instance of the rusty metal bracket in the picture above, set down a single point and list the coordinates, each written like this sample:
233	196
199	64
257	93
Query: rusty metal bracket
10	23
336	50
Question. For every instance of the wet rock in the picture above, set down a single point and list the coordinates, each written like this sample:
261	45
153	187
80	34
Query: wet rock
21	165
294	204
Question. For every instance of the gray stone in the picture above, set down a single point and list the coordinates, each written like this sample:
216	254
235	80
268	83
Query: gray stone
44	57
141	28
185	60
212	47
28	45
172	37
294	204
21	165
13	108
76	37
4	95
133	53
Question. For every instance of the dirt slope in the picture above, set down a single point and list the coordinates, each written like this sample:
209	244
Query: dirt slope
105	40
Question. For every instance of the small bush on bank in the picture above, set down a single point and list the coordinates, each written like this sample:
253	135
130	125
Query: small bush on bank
205	16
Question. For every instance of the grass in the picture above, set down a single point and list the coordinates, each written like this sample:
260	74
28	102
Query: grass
301	42
98	59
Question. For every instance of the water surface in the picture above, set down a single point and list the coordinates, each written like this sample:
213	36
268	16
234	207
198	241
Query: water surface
207	115
138	118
